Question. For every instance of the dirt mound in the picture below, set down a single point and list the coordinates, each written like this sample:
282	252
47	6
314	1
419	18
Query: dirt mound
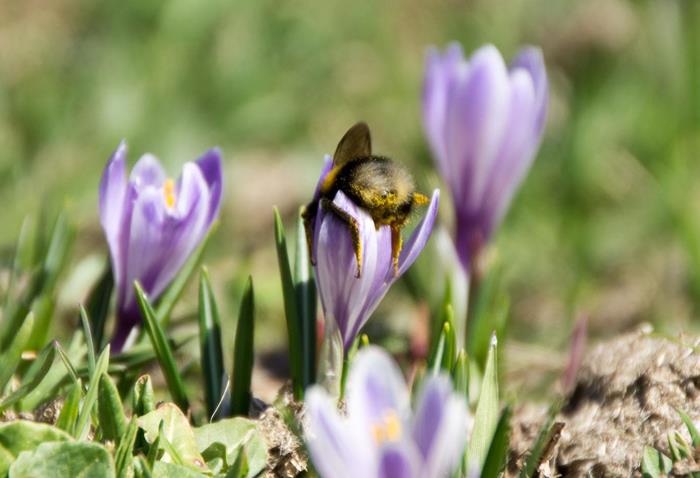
626	397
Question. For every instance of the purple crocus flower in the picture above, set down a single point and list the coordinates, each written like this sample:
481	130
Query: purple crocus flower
380	436
153	224
484	123
348	300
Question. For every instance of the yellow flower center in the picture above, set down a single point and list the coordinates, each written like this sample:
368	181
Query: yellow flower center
388	429
169	193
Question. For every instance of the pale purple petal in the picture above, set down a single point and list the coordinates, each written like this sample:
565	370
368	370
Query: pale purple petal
398	461
531	59
210	164
476	119
375	389
338	449
440	427
114	208
416	243
147	172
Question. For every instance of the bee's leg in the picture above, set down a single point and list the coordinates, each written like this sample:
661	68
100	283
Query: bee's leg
308	214
396	245
420	199
351	223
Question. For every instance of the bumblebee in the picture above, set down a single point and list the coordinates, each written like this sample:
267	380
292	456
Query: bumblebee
377	184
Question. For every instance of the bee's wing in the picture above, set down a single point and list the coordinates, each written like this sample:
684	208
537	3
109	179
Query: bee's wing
356	143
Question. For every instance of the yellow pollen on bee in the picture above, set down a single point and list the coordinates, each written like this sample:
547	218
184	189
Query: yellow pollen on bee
388	429
169	192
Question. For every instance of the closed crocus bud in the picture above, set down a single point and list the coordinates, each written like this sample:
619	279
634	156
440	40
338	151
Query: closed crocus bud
153	224
484	122
349	300
380	435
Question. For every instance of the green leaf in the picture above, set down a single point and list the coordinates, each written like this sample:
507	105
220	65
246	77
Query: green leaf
12	356
124	454
692	429
212	356
144	400
172	294
243	353
236	435
43	309
98	306
83	425
110	410
291	311
19	436
305	286
176	430
141	468
164	353
240	468
486	416
498	450
34	376
654	463
64	460
488	313
68	416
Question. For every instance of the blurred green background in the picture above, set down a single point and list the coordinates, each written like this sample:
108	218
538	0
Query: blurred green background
605	225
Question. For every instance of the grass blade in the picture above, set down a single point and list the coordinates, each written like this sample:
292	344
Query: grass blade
33	377
98	306
125	451
212	356
12	356
692	429
486	416
83	425
88	339
69	413
498	451
305	286
294	326
144	400
110	410
164	353
545	436
172	294
243	353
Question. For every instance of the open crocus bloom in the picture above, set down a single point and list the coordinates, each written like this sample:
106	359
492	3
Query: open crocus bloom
349	300
380	436
484	122
153	224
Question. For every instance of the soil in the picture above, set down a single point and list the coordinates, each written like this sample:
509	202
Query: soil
626	396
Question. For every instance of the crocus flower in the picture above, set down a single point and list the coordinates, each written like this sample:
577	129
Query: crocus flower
484	122
153	224
380	436
348	300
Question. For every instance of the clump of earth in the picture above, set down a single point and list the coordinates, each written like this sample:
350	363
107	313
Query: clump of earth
627	394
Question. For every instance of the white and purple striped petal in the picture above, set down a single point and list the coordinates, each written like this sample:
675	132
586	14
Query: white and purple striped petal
484	123
380	437
153	224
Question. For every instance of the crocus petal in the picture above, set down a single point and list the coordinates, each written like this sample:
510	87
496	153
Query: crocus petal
398	461
161	240
343	295
476	120
147	172
210	166
415	244
376	388
337	448
113	208
440	427
531	59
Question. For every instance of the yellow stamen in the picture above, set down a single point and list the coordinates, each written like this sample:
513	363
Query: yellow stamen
169	192
388	429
